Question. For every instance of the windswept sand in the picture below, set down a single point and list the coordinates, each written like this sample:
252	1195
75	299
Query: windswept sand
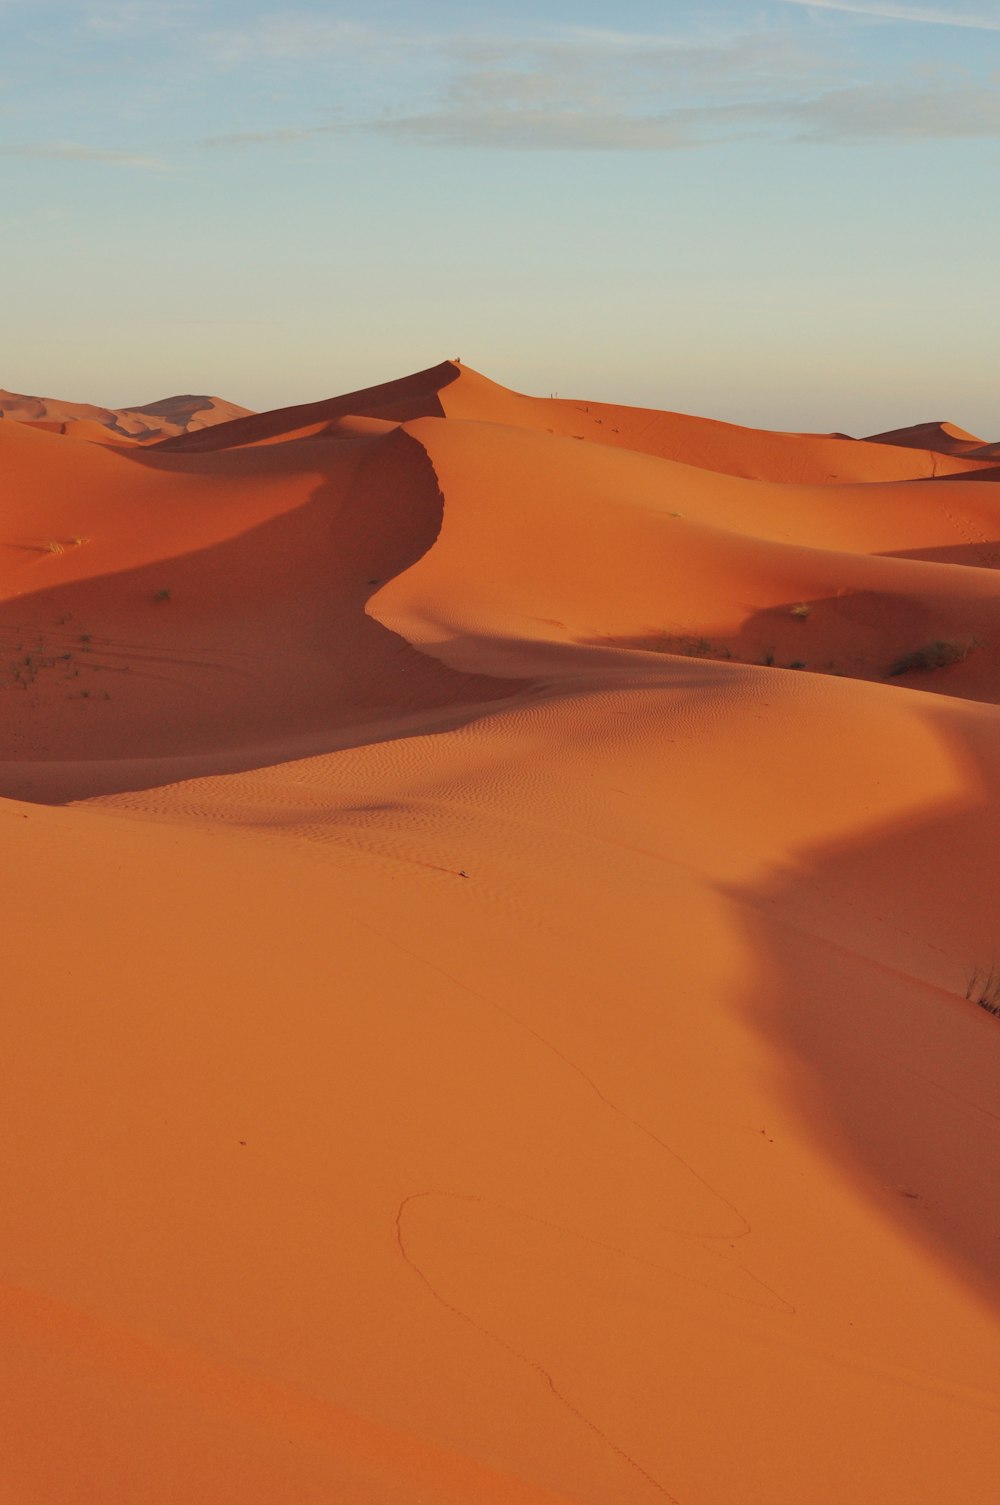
482	1027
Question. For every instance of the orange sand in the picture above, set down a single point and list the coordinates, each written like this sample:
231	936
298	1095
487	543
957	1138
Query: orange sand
147	424
481	1026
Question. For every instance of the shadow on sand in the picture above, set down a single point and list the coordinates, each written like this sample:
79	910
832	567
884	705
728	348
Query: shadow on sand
866	954
252	650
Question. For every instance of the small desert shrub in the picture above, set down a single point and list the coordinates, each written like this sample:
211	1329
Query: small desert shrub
984	989
932	656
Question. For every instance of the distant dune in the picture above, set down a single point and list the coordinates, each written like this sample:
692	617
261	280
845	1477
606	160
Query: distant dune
501	896
947	438
153	421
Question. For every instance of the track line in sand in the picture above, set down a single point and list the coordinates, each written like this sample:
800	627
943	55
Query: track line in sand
522	1358
744	1229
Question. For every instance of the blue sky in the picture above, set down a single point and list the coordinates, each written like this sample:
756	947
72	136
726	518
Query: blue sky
778	213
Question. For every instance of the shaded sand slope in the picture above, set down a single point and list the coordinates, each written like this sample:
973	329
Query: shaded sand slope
531	1061
415	396
161	609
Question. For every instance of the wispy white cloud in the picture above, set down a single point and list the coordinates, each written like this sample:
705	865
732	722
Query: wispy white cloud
573	92
71	151
930	15
572	88
861	113
287	135
527	129
567	89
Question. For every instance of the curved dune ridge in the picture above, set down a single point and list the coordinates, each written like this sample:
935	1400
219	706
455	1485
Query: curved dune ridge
501	889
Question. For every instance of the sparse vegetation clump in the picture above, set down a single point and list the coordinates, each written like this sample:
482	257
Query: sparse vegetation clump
937	655
984	989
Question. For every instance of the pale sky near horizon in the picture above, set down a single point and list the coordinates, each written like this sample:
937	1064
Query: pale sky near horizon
777	213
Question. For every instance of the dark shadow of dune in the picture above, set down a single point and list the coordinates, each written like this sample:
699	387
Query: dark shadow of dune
253	650
894	1068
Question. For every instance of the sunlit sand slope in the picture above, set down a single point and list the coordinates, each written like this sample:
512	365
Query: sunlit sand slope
482	1027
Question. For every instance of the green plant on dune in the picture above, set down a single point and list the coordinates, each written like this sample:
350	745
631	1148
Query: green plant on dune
984	989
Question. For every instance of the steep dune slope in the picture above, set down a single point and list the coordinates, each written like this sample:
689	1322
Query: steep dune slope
484	1028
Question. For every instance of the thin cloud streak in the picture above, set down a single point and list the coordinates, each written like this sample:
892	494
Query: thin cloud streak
863	113
286	135
68	151
914	14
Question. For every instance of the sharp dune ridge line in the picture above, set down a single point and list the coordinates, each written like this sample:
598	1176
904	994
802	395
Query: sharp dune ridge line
499	893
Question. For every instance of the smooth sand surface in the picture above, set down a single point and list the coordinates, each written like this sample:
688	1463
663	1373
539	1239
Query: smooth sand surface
481	1026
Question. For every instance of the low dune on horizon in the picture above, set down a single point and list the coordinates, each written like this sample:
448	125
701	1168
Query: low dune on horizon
145	424
504	992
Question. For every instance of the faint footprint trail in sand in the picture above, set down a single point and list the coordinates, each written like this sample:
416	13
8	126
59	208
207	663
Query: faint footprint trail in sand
522	1358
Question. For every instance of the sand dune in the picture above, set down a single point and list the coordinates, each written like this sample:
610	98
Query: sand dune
150	422
455	391
496	885
947	438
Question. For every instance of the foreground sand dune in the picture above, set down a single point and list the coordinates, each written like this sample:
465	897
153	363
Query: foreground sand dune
485	1027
